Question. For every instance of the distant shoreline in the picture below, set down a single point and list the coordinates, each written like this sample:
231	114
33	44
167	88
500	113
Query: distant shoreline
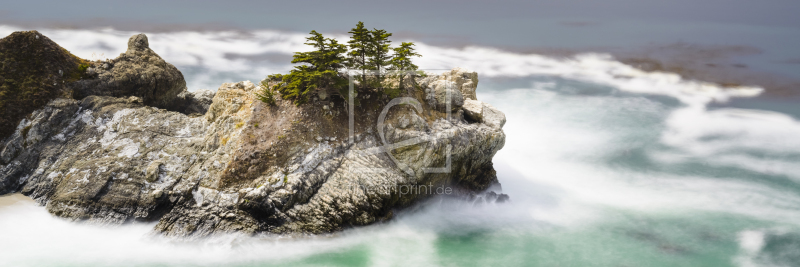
713	64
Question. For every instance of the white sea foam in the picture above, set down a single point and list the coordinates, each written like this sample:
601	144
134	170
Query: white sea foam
564	141
32	237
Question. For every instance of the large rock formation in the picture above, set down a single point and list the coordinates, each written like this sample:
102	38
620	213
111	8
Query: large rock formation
137	72
247	166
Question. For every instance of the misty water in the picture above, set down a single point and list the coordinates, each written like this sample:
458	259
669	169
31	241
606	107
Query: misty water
605	165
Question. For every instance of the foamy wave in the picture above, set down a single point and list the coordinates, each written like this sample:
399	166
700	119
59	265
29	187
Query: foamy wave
759	141
572	143
28	231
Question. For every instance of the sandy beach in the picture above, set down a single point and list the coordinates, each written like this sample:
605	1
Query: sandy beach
10	199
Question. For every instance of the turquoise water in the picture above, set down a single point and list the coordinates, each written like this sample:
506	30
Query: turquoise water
605	166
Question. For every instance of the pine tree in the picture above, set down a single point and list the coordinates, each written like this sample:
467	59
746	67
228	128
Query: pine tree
401	60
267	92
320	71
379	51
360	49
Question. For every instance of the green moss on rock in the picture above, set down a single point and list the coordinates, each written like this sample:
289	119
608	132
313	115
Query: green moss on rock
33	71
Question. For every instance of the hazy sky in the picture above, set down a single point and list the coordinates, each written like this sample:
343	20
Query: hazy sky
771	26
512	23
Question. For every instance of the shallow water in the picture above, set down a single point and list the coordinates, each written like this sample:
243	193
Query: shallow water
605	166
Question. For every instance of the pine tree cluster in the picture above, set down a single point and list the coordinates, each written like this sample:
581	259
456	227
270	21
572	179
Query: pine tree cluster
325	67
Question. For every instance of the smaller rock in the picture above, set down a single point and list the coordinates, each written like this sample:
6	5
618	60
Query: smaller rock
153	171
473	110
493	116
138	43
502	198
484	113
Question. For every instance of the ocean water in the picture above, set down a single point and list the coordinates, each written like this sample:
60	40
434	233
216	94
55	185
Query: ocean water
605	165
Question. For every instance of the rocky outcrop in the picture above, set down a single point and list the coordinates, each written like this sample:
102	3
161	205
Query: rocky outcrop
237	164
478	111
33	71
137	72
465	80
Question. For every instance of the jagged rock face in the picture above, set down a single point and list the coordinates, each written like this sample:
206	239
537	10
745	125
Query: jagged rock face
459	83
464	79
89	159
245	166
137	72
114	159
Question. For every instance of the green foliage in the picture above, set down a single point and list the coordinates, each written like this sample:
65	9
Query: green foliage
83	67
267	93
401	61
379	52
320	70
369	50
392	92
360	50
